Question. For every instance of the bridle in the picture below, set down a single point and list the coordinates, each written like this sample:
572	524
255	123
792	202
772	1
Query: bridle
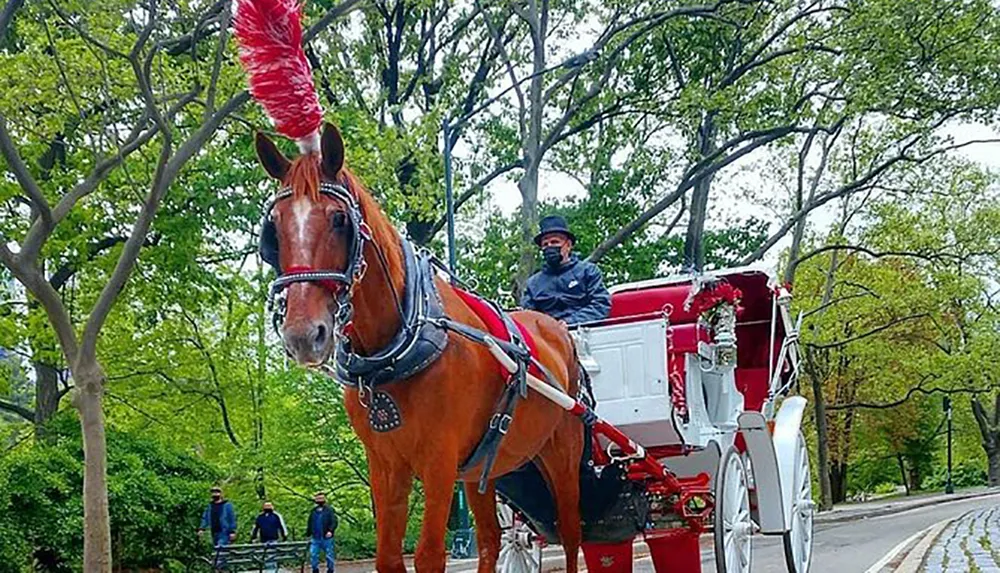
339	283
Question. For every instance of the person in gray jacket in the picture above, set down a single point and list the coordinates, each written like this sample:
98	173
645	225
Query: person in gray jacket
566	288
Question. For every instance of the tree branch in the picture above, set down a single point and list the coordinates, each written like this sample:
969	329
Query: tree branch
882	254
55	310
472	192
703	168
220	52
918	389
187	43
508	63
858	184
342	9
24	178
27	414
626	231
7	16
871	332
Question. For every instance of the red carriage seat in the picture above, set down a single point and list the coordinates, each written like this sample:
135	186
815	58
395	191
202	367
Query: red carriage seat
642	303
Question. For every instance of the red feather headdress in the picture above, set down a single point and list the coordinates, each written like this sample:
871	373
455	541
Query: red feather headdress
269	33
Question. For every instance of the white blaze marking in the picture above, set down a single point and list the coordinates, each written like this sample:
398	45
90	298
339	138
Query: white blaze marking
301	209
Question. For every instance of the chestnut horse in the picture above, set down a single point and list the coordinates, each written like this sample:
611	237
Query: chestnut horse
446	407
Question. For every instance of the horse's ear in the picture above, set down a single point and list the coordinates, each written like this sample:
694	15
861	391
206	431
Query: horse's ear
271	158
332	148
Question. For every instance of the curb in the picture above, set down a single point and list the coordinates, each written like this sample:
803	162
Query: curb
855	515
915	558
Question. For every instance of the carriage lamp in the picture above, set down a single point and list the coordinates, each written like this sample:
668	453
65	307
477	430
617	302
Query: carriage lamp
725	336
725	351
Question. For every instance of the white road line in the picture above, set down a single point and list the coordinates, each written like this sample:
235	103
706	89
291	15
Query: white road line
895	551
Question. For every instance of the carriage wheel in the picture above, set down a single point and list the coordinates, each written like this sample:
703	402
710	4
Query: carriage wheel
520	549
799	537
733	524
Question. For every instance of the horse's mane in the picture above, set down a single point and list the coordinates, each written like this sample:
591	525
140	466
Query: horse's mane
304	176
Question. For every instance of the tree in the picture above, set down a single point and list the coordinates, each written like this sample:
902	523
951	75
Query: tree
989	429
404	66
809	77
898	306
155	489
151	109
566	99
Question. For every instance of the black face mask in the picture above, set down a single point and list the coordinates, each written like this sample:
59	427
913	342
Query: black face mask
216	497
553	256
321	503
268	511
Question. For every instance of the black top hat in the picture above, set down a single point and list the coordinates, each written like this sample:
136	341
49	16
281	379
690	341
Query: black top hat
553	224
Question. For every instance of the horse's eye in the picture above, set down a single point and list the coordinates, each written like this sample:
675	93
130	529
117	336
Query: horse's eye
339	220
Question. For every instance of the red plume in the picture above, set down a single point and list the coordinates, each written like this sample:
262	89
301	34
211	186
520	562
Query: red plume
269	33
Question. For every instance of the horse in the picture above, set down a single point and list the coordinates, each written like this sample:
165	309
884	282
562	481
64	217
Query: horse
444	408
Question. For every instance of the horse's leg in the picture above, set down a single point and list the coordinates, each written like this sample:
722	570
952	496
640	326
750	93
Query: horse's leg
391	485
560	459
439	484
484	508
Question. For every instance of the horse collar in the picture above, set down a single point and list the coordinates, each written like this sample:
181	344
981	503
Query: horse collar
418	342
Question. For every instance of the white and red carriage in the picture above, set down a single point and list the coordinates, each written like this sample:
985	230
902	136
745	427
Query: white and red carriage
696	372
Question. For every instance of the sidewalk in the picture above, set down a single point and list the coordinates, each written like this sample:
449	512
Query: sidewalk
869	509
969	543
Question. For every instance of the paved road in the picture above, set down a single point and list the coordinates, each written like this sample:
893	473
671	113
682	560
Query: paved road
849	547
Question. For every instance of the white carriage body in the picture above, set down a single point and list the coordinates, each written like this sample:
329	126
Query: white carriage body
629	365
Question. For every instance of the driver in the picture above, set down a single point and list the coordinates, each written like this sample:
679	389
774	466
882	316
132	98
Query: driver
566	288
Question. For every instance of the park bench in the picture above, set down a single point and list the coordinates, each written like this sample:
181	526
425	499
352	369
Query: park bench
259	557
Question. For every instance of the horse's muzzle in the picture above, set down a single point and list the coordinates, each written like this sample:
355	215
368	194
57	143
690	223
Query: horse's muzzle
310	345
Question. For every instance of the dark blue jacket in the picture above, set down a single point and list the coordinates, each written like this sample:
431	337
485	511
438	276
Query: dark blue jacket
323	517
227	520
574	292
270	526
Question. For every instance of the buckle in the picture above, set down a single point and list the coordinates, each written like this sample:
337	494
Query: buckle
364	230
501	423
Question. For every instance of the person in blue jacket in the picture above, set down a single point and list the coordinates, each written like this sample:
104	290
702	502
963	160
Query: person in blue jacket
220	518
566	288
320	528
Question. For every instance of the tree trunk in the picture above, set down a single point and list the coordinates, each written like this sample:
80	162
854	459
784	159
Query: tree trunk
902	473
694	246
915	478
822	436
46	397
531	147
994	467
989	430
838	481
89	380
528	186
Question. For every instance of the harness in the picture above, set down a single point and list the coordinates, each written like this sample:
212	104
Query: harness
420	340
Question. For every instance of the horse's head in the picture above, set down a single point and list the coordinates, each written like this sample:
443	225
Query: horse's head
311	237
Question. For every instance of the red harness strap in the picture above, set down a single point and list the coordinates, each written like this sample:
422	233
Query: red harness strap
332	286
495	325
